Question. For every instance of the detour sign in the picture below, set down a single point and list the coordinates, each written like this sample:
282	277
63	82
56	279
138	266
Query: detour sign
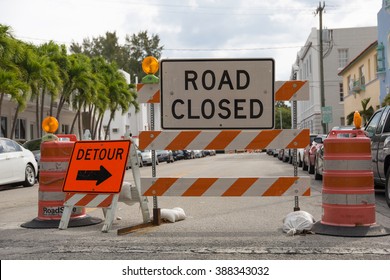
97	166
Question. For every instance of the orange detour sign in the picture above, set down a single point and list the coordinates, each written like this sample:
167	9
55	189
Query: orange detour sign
97	166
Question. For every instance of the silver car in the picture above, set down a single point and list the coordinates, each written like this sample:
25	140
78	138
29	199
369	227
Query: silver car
17	164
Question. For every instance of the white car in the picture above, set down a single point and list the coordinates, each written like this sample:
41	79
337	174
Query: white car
147	157
17	164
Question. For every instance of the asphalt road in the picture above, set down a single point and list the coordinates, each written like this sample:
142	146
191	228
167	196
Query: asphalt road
216	228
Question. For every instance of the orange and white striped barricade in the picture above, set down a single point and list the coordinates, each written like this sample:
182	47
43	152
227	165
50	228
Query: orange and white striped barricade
219	187
107	201
223	139
291	90
348	197
284	91
148	93
54	162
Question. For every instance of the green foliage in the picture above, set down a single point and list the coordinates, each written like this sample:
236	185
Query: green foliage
88	79
128	56
282	111
366	112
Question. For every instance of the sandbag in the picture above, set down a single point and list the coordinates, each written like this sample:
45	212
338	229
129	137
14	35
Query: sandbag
298	222
128	194
173	215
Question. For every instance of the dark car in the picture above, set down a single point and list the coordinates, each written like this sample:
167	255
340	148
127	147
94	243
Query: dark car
189	154
164	156
35	147
178	154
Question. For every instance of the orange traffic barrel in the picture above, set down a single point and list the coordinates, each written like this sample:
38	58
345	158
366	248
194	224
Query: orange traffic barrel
55	156
348	195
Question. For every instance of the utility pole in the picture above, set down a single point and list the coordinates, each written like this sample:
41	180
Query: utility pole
319	11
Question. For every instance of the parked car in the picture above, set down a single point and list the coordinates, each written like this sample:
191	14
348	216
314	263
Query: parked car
310	155
301	151
34	146
17	164
199	153
139	158
189	154
178	154
378	130
287	155
147	157
164	156
280	154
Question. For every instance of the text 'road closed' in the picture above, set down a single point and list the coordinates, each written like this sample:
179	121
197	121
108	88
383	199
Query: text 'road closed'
223	94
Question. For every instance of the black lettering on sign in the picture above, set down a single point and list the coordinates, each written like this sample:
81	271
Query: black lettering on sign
174	103
225	80
209	80
100	154
212	78
190	77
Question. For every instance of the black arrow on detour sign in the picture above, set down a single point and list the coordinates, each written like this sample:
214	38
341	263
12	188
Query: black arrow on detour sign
94	175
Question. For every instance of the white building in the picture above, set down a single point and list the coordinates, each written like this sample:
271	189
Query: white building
132	122
340	46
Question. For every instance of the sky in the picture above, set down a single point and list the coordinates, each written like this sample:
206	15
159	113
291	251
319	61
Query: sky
190	28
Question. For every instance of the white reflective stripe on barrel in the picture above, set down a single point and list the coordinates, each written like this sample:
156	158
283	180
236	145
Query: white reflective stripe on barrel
348	199
51	196
53	166
355	164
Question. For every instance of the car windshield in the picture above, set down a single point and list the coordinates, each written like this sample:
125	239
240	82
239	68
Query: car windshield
33	145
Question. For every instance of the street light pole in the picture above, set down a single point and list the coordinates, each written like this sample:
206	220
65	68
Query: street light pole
319	11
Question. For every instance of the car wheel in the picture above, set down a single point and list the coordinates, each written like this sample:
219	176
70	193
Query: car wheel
316	175
304	166
387	188
311	168
29	176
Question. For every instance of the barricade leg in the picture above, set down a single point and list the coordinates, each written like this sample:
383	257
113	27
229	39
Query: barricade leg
65	217
137	180
110	214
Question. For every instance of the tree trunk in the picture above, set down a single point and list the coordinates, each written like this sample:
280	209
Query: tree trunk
14	122
74	121
108	125
37	115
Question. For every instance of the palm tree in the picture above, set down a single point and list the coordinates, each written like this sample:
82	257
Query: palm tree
10	80
50	81
31	69
121	98
365	113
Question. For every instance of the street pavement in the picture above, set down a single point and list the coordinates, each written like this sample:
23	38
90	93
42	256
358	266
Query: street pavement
217	228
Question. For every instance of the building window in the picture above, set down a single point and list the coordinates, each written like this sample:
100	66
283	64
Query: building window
341	90
343	58
362	79
3	131
20	130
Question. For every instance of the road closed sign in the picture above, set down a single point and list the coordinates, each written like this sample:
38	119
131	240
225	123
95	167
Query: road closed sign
97	166
217	93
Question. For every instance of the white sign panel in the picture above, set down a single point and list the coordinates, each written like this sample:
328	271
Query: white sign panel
217	93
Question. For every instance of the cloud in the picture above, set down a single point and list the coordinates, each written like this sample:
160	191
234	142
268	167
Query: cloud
190	28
